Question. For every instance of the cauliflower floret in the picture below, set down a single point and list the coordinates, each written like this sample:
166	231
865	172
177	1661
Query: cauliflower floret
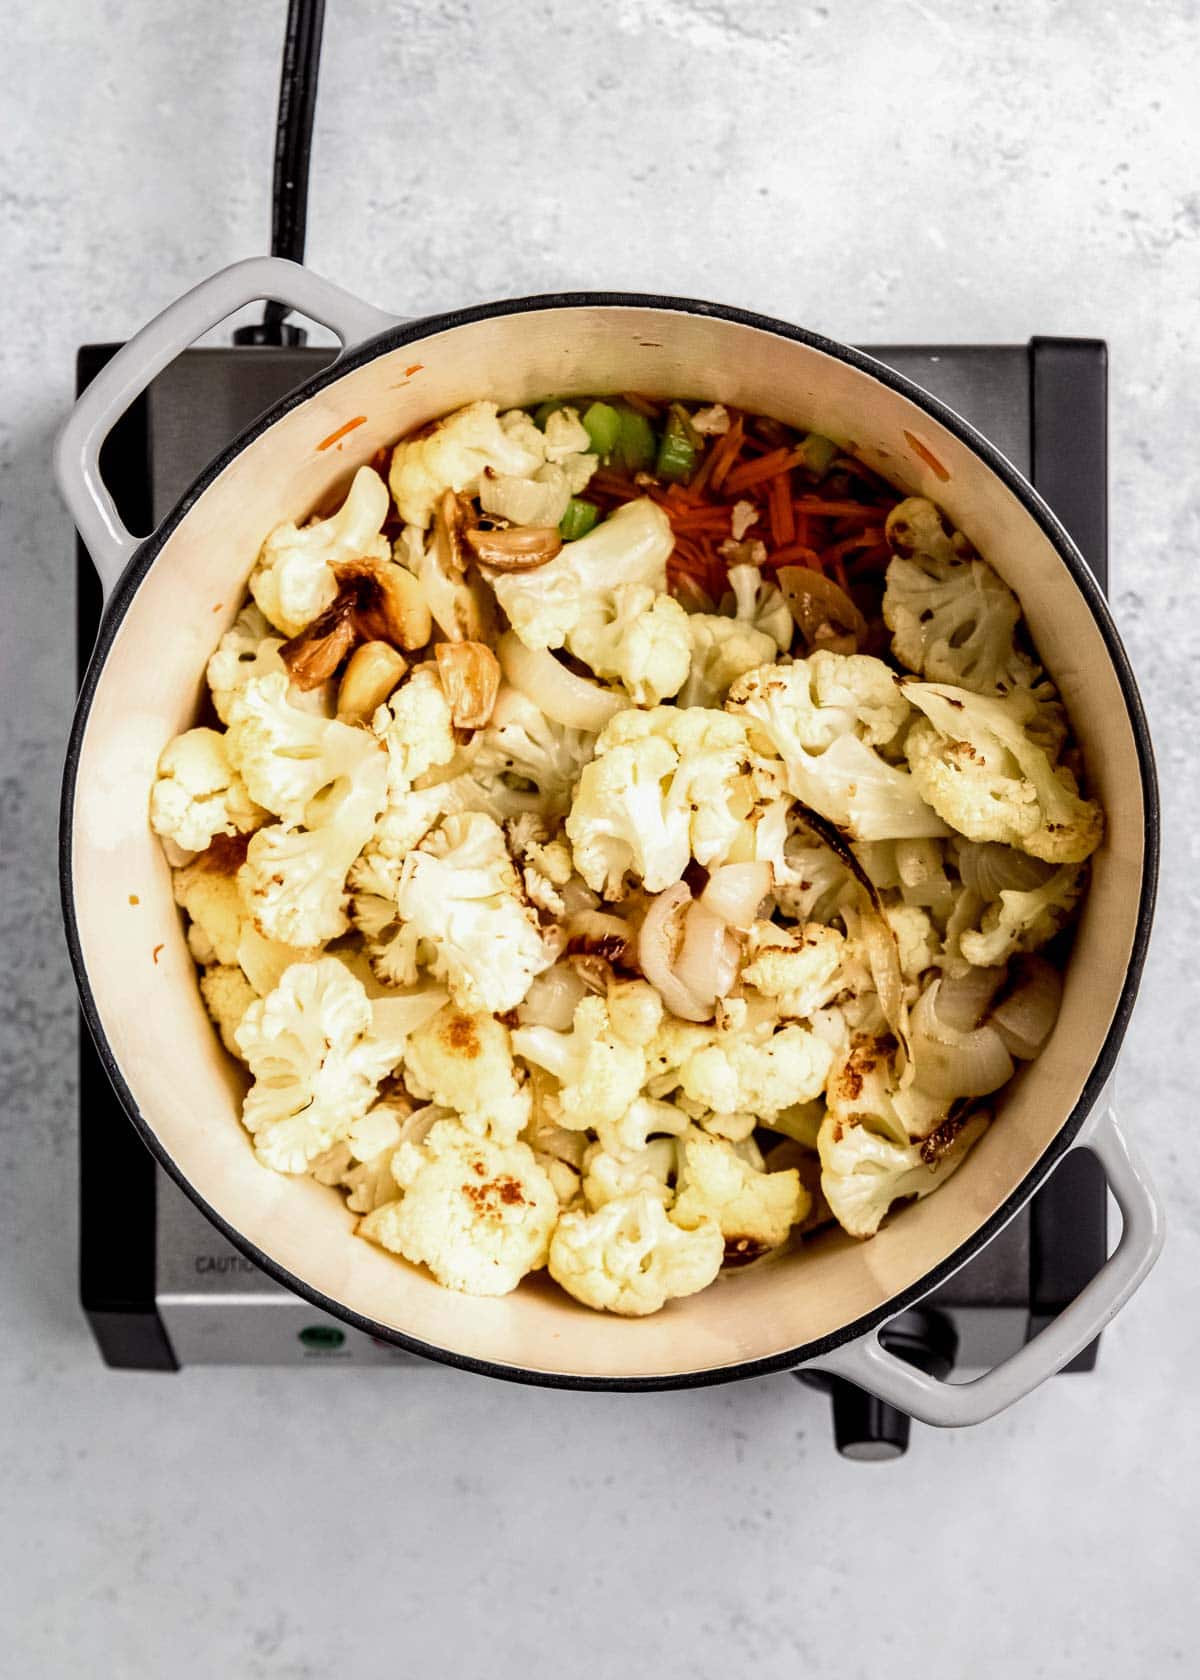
800	970
417	726
824	716
460	892
227	995
222	930
294	579
456	451
478	1213
519	746
294	879
665	786
1023	921
755	1210
288	757
952	617
317	1057
722	650
199	792
542	498
973	759
607	1177
521	741
740	1072
464	1062
565	434
246	650
631	546
600	1074
637	638
811	884
862	1174
916	938
546	865
630	1257
759	604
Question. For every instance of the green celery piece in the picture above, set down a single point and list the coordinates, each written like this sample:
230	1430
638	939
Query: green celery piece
544	410
602	424
636	442
676	453
578	520
818	454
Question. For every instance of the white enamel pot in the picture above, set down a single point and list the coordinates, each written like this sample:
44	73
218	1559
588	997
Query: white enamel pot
171	595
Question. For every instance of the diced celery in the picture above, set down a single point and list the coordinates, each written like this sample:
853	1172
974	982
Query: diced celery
578	520
603	426
677	452
544	410
636	442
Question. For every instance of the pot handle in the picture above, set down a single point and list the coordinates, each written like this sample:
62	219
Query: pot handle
867	1363
125	377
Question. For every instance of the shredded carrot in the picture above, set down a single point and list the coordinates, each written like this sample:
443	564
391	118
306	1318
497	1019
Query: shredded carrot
767	466
359	420
863	539
812	506
796	554
726	453
873	559
783	519
417	367
154	953
702	519
643	405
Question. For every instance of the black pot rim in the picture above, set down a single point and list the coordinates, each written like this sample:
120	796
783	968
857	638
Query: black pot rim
412	332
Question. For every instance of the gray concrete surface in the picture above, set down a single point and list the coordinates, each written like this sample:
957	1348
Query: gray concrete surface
894	170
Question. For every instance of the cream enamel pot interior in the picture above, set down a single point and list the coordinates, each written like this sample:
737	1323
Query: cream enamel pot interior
174	593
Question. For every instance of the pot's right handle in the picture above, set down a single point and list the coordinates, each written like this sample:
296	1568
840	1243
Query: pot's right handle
867	1363
125	377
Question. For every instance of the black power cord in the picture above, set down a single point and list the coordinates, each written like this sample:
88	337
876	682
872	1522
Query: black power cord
293	148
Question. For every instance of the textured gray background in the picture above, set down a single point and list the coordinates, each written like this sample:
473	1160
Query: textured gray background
894	171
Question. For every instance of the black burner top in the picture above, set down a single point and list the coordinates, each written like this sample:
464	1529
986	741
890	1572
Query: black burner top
161	1287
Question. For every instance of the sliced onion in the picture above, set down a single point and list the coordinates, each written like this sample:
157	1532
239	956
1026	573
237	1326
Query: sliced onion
824	614
565	698
707	964
951	1064
990	869
656	952
735	891
883	956
963	999
1025	1018
599	933
550	1001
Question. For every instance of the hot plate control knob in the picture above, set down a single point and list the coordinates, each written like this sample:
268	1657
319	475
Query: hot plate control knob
868	1429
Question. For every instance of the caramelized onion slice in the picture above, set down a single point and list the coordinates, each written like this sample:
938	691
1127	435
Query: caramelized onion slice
825	615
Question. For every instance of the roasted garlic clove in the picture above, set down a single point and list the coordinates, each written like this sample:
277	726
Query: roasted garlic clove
389	603
470	677
519	549
372	672
315	654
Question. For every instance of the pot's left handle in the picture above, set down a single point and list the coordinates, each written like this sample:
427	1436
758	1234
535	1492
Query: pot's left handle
125	377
